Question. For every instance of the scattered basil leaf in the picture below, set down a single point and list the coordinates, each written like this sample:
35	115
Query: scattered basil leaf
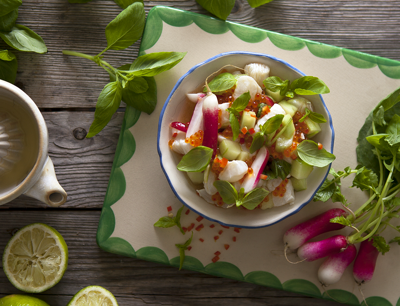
125	3
234	125
254	198
318	118
220	8
309	85
257	143
126	28
380	244
24	39
222	82
227	192
308	151
154	63
8	70
277	168
6	6
196	160
274	84
7	55
272	124
240	103
107	104
182	248
165	222
8	21
257	3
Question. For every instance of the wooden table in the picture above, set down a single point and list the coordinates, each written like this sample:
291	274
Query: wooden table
66	91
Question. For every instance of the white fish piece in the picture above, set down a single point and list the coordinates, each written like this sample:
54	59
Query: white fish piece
233	171
224	114
244	84
258	72
181	147
203	193
209	185
195	97
276	109
267	204
272	184
288	197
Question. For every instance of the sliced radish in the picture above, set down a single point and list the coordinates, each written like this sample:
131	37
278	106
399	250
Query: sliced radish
251	180
197	122
210	115
195	97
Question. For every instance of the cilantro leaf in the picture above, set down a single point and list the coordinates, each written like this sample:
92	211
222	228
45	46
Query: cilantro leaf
365	179
380	244
341	220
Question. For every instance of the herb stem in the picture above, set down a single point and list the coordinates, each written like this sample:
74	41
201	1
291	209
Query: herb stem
365	205
73	53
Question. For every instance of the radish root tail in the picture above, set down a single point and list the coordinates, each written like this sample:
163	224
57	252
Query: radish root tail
362	294
229	65
292	262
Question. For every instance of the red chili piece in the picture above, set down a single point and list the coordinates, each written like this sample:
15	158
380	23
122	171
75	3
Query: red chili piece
220	232
226	246
189	248
224	226
199	218
216	238
217	253
190	227
215	259
184	229
169	208
201	239
234	239
212	225
198	228
237	229
187	212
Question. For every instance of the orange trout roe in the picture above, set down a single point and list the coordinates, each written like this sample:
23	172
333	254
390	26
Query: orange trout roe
254	104
219	165
217	199
274	154
281	189
196	139
226	96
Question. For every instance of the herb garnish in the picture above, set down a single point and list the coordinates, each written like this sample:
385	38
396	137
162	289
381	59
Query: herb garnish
182	248
237	106
268	127
309	152
277	168
196	160
167	221
222	82
318	118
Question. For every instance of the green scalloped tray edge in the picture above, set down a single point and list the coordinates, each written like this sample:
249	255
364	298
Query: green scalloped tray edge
126	149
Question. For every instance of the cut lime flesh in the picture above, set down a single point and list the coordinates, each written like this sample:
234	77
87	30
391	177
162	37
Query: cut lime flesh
93	296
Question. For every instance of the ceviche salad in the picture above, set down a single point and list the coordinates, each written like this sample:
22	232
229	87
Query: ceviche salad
249	140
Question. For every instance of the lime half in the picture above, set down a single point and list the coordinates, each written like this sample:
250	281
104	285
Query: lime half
93	296
21	300
35	258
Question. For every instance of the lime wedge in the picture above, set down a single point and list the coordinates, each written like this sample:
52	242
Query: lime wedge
21	300
93	296
35	258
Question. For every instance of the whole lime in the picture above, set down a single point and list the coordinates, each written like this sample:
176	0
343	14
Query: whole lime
21	300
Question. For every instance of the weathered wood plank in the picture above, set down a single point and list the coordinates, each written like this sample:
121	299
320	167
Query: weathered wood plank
134	282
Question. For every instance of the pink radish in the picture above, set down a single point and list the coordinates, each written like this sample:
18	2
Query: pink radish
364	266
179	126
251	180
196	123
299	234
195	97
334	266
315	250
210	115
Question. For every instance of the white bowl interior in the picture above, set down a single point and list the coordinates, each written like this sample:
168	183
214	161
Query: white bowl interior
179	181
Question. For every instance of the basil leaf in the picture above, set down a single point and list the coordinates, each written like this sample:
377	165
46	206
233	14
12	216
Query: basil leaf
182	248
234	125
177	220
165	222
254	198
6	6
125	3
126	28
260	108
146	101
257	143
257	3
8	20
227	192
6	55
241	102
138	85
305	115
196	160
222	82
154	63
318	118
272	124
220	8
107	104
275	84
309	85
308	151
278	168
24	39
8	70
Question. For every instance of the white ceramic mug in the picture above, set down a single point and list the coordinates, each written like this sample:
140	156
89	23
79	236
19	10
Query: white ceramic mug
25	167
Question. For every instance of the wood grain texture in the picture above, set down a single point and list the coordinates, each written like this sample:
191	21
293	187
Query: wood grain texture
132	281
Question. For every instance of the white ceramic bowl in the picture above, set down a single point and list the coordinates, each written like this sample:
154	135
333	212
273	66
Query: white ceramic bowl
180	183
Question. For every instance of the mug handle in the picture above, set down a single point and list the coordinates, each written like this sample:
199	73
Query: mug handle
47	189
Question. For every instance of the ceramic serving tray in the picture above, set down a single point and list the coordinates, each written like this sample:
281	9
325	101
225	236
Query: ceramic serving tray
138	193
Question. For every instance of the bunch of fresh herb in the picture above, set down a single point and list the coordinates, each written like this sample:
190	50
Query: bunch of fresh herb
222	8
133	83
16	36
378	173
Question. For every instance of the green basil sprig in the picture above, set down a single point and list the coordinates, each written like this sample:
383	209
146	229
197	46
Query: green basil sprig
133	83
7	21
268	127
7	6
237	106
24	39
182	248
308	152
306	85
318	118
167	221
222	82
277	168
230	196
196	160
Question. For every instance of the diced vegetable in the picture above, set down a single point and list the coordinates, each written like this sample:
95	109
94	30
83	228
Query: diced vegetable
244	156
248	120
275	95
288	108
229	149
300	169
299	185
283	143
313	127
301	104
196	177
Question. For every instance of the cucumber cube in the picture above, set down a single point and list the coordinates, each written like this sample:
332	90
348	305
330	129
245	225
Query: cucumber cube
196	177
288	108
243	156
313	127
300	169
275	95
248	120
283	143
288	133
299	185
229	149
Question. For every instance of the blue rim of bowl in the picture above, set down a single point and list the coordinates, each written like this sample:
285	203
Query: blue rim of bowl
169	98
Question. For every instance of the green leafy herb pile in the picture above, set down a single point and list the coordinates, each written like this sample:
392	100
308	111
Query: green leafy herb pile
16	36
133	83
378	173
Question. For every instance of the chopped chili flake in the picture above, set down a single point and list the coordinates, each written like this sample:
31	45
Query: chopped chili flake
263	177
187	212
189	248
174	135
220	232
190	227
252	131
216	238
215	259
198	228
212	225
244	130
201	239
226	246
223	162
199	218
217	253
234	239
169	208
224	226
237	229
320	146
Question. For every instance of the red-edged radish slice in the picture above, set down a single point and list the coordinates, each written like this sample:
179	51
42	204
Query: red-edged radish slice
251	180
